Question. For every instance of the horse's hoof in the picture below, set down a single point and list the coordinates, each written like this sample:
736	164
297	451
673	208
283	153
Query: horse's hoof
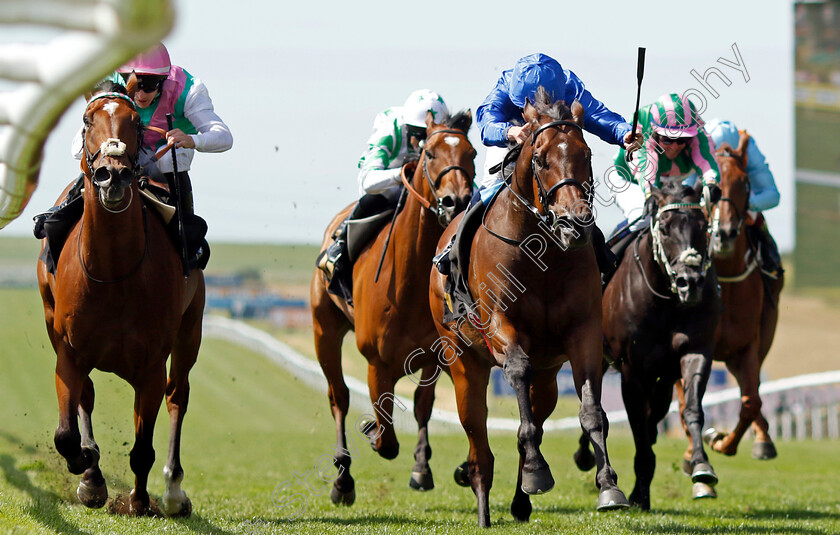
538	482
701	490
462	474
764	451
686	467
611	499
93	496
178	506
422	481
342	498
704	473
712	435
584	459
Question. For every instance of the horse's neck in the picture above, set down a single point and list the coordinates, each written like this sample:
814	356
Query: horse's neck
511	217
111	243
417	228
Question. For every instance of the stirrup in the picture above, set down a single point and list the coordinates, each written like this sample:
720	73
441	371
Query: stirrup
328	259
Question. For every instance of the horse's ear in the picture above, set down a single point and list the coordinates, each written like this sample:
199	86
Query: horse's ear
653	201
577	113
530	113
743	142
131	85
430	119
464	120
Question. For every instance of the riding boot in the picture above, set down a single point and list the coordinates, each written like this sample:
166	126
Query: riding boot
771	260
328	259
72	194
607	261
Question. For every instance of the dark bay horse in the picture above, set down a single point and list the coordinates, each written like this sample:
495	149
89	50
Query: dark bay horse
533	274
118	302
391	317
750	311
661	311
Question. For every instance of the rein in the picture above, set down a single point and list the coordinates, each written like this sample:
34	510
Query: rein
545	216
439	210
111	146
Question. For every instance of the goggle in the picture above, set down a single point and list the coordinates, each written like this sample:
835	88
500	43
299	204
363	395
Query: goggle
148	84
664	140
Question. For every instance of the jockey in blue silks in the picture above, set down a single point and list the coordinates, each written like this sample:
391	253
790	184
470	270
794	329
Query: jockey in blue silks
502	125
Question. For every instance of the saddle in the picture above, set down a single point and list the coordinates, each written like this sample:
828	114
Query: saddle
371	214
155	196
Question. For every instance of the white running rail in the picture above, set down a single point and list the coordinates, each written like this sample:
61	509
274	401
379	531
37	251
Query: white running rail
84	41
309	372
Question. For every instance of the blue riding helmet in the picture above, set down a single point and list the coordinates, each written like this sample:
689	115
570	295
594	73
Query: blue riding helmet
533	71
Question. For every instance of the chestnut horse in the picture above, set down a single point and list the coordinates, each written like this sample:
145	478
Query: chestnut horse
661	310
390	317
750	311
532	269
118	302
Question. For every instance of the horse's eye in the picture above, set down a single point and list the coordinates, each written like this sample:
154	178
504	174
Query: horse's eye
430	155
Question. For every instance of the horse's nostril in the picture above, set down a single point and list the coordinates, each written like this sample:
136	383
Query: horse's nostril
448	202
126	174
682	282
102	174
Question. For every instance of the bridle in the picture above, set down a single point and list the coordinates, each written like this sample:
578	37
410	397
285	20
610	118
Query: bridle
740	213
689	256
439	210
111	146
546	216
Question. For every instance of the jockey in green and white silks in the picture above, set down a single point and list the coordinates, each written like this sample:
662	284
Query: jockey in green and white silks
390	141
675	147
397	131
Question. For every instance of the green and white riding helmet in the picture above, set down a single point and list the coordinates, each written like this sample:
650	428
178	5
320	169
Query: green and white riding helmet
419	103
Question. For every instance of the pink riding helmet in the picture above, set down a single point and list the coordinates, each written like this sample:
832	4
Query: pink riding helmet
155	61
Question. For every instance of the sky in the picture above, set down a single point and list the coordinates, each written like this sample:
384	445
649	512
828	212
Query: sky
299	85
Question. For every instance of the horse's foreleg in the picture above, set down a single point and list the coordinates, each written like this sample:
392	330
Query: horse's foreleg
744	367
678	386
470	379
330	328
696	368
536	475
147	399
69	384
636	402
543	400
587	369
92	491
381	433
424	399
184	354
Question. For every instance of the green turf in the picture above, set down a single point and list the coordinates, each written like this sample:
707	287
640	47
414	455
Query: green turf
251	427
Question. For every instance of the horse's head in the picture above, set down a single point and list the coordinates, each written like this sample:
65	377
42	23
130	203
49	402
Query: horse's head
730	213
554	170
678	235
111	141
447	163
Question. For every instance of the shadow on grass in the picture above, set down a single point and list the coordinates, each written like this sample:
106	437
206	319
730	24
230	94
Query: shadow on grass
787	516
44	508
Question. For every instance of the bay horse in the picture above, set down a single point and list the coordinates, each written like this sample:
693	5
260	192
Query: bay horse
533	270
750	310
118	302
661	310
390	317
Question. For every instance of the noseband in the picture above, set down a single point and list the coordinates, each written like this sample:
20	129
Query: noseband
688	256
439	210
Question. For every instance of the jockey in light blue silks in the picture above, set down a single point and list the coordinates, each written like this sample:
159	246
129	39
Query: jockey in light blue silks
502	125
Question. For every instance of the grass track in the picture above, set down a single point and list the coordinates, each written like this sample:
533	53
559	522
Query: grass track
251	427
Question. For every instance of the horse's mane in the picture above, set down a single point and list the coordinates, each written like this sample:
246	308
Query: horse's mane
457	120
678	190
108	86
546	105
